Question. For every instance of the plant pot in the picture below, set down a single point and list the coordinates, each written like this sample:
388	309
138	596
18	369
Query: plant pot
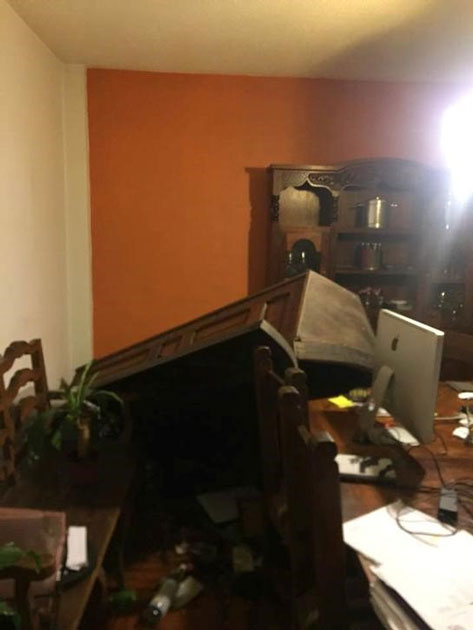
83	472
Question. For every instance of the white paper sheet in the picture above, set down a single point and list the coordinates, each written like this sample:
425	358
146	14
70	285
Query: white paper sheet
461	432
433	574
76	547
378	536
222	507
402	435
393	616
438	587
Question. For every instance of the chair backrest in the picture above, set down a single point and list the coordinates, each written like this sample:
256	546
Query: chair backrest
302	494
16	403
314	518
457	357
267	384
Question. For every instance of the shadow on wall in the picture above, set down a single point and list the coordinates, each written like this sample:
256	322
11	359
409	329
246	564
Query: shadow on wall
396	57
397	51
371	137
259	180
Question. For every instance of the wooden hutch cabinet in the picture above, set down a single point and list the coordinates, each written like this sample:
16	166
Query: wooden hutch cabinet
379	228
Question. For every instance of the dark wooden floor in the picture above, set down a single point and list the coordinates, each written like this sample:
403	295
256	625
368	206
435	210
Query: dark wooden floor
228	602
211	610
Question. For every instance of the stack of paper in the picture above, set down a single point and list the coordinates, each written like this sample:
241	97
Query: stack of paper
422	580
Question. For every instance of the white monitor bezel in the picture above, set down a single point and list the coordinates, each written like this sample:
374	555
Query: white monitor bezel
415	361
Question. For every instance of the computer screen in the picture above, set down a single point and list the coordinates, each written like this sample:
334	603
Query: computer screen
411	352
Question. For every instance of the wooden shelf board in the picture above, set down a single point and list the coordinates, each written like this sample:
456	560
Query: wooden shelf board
352	271
447	280
375	232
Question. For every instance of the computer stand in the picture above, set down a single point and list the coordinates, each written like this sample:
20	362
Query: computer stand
369	431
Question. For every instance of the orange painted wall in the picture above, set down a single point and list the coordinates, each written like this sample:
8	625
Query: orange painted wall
179	194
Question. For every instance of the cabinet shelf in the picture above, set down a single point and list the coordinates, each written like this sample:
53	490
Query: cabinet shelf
418	259
448	280
376	232
355	271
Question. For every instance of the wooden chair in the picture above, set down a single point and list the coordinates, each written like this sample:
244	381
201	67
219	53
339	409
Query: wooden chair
23	575
44	533
267	384
457	357
16	408
315	537
23	392
302	495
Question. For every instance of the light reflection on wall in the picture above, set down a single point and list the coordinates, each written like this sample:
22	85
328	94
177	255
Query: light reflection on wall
457	144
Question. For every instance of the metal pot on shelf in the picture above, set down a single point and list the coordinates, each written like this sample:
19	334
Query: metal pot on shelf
369	256
372	213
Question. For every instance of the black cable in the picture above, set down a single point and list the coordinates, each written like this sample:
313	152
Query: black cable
434	458
451	530
467	509
444	444
465	480
462	486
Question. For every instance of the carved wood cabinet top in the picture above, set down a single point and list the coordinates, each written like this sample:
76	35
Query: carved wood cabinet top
394	173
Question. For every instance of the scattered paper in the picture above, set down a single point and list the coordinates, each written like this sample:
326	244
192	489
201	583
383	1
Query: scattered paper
378	536
461	432
403	436
432	573
388	609
187	590
438	589
242	559
222	507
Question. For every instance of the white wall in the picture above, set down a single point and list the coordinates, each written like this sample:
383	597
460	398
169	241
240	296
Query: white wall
33	262
78	237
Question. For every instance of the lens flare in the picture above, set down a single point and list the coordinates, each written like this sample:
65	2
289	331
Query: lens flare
457	145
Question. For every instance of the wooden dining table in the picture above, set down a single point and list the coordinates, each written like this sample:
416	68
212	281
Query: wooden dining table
418	480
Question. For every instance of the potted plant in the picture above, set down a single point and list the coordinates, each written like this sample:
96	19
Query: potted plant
77	408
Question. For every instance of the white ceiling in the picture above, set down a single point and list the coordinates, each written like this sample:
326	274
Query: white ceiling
417	40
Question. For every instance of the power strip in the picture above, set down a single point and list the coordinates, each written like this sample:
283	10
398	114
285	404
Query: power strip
448	506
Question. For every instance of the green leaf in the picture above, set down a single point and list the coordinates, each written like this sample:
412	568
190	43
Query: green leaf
83	377
5	608
123	600
56	439
73	400
102	393
92	379
13	616
36	559
9	555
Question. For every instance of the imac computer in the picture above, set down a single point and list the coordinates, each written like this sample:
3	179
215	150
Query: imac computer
407	366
